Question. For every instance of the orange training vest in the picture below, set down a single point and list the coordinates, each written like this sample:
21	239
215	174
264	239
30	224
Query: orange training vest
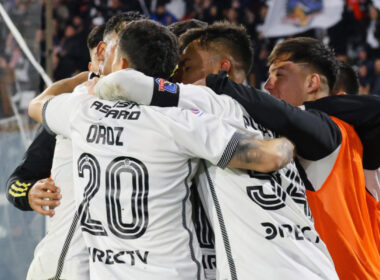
341	212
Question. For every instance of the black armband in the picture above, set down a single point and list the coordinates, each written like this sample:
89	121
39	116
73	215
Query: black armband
165	93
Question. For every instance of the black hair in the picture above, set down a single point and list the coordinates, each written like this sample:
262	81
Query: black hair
180	27
150	47
119	21
347	79
232	38
311	51
95	36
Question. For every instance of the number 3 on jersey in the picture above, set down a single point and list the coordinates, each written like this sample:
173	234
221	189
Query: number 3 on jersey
113	184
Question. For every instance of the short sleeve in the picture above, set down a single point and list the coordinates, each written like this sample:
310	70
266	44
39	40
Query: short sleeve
202	135
57	113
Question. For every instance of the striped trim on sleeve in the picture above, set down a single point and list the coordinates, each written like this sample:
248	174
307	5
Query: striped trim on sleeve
44	123
230	150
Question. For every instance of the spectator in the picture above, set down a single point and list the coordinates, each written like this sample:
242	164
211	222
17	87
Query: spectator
162	15
375	85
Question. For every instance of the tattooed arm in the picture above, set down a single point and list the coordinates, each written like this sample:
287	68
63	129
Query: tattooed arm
262	155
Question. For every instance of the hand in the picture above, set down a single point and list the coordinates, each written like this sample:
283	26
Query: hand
44	193
91	85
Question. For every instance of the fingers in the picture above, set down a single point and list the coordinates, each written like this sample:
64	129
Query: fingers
44	193
46	202
44	212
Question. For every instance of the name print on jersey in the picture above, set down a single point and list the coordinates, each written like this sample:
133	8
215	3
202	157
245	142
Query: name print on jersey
100	134
111	257
249	122
120	110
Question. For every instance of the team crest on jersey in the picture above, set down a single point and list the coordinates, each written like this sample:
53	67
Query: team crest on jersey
166	86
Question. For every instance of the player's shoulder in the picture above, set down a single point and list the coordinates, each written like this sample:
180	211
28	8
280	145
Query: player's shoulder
175	114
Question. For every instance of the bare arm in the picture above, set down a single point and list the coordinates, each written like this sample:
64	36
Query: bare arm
262	155
62	86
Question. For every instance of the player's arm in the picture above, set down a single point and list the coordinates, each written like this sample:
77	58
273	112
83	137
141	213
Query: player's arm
223	145
362	112
59	87
25	187
261	155
314	134
132	85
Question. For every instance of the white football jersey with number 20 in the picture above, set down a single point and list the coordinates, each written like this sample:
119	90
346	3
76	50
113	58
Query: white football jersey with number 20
132	170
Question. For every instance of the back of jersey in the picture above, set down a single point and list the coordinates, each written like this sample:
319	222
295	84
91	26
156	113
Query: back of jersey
132	172
262	222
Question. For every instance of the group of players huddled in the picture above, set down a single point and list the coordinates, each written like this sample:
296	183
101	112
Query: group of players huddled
159	163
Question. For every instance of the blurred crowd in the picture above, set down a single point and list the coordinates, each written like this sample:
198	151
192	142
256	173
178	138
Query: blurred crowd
356	38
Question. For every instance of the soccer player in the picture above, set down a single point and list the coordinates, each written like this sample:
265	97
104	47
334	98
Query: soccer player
202	225
133	164
259	219
30	188
303	69
62	252
180	27
230	51
362	113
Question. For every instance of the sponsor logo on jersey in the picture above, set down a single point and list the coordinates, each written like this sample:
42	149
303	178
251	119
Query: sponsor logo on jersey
166	86
296	232
120	110
113	257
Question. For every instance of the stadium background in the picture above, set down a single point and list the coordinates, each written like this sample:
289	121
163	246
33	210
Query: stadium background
355	38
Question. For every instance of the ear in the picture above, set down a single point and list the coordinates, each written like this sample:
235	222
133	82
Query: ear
101	50
89	66
225	64
313	83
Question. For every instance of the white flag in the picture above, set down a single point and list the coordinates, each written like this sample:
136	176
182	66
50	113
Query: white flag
288	17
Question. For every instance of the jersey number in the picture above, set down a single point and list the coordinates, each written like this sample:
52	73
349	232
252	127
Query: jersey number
139	197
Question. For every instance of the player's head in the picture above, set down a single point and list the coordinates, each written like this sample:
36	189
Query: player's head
148	47
301	69
208	50
106	48
180	27
347	80
93	39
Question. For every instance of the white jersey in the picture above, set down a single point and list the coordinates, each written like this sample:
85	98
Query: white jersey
62	253
372	182
132	170
262	223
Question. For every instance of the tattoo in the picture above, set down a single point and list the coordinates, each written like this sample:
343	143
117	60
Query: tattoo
270	154
248	150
